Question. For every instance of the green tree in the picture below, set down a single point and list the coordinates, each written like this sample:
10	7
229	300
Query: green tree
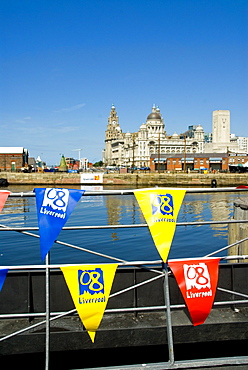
98	164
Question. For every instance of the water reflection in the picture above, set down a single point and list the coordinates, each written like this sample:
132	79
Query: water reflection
122	209
208	206
196	207
14	210
128	244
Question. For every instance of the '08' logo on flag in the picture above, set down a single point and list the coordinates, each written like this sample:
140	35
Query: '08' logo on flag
56	199
91	281
196	276
197	281
162	205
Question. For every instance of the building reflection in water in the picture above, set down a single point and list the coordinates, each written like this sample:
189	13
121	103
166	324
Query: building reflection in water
15	210
196	207
122	209
208	207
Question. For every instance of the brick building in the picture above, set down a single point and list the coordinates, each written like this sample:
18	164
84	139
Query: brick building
13	158
189	162
237	159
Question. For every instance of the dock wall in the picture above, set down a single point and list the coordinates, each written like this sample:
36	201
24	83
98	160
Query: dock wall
143	179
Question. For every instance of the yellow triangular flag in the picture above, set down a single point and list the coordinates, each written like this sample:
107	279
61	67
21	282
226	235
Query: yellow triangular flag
160	208
90	286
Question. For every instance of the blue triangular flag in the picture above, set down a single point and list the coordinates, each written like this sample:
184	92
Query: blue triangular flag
54	206
3	274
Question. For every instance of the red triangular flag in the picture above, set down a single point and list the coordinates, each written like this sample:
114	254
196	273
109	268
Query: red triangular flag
3	197
197	280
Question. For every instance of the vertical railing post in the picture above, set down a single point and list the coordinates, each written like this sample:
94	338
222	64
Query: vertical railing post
168	315
238	231
47	312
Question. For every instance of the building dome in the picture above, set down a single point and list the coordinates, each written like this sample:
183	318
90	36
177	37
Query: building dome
154	116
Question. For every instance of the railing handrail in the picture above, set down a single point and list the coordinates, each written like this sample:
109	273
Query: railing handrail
149	265
118	226
131	191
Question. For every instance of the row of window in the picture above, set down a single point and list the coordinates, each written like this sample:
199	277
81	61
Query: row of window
172	150
232	160
201	161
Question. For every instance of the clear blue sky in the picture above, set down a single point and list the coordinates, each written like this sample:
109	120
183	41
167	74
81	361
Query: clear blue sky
63	63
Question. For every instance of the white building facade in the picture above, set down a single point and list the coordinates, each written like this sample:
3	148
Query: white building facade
135	149
222	140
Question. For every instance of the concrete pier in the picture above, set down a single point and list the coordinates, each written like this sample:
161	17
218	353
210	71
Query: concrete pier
135	179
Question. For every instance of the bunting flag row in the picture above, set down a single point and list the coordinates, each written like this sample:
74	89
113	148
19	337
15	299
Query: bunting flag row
160	208
90	285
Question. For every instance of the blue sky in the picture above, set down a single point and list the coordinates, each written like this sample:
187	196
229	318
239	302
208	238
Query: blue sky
63	63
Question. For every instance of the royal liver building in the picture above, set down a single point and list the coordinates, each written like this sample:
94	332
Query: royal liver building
135	149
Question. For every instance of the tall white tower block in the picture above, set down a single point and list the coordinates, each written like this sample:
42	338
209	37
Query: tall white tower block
221	127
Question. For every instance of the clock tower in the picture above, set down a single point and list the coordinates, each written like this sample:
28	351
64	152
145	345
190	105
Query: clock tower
113	128
112	134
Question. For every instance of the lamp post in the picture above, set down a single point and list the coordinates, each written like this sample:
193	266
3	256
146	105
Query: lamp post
133	146
159	152
79	155
184	165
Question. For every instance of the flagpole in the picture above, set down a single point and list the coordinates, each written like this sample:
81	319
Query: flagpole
168	315
47	311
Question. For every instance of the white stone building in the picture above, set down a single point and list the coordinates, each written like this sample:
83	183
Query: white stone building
135	149
222	140
242	143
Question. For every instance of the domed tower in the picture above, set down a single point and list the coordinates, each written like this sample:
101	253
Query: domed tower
199	137
199	133
155	123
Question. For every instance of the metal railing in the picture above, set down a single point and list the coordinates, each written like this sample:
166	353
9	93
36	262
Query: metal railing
152	266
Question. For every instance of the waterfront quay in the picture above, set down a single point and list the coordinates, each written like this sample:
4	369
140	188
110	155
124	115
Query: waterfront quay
135	179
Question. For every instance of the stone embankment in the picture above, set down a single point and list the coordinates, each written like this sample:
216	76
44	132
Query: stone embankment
135	179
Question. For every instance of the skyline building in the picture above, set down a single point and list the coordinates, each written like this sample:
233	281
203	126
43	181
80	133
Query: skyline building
222	140
135	149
